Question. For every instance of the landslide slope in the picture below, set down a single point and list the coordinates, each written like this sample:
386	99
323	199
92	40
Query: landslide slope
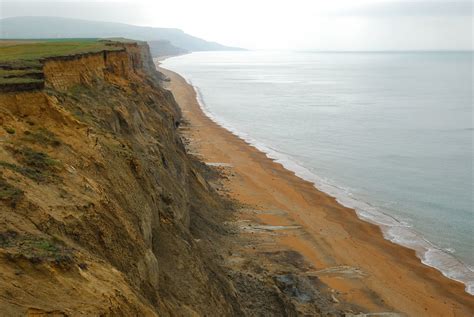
100	204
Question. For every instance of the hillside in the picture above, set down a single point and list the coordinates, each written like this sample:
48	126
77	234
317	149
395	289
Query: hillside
165	48
105	213
98	195
55	27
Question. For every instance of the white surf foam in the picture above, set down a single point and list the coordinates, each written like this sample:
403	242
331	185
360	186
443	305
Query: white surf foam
393	229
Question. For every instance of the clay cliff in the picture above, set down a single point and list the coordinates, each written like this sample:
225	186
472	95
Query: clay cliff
104	213
102	210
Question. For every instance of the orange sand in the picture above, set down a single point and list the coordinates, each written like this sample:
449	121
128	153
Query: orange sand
388	277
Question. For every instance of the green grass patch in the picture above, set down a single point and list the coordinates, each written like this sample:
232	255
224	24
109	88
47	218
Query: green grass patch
45	245
35	249
20	61
32	158
37	166
19	80
31	173
7	73
9	130
43	49
43	137
9	193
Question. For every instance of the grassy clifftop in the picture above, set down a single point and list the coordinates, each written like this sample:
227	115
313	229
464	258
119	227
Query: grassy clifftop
34	50
21	60
98	195
105	213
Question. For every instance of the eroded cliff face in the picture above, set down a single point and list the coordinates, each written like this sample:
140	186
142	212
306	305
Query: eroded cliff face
115	67
98	197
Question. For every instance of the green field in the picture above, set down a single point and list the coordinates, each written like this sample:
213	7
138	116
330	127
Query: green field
20	60
27	50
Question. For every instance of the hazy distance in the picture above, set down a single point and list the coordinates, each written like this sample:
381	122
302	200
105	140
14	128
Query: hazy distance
284	24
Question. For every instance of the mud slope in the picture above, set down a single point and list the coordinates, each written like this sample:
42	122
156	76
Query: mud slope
97	197
104	213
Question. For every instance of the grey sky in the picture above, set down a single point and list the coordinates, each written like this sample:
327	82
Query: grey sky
283	24
412	8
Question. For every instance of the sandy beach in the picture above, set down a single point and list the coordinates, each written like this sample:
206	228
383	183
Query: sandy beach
349	255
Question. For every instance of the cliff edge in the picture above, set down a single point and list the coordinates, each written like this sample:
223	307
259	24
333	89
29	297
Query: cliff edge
98	196
105	213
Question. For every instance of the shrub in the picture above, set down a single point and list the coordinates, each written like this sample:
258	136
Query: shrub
43	137
33	159
37	166
9	193
36	249
9	130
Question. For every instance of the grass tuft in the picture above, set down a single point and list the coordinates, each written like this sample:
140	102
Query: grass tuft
37	166
34	159
43	137
35	249
9	193
9	130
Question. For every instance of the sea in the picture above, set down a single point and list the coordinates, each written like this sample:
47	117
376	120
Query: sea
389	134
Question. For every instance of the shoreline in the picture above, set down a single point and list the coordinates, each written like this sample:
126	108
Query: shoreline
333	233
387	223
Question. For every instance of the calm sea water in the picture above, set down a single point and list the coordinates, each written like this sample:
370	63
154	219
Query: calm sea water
390	134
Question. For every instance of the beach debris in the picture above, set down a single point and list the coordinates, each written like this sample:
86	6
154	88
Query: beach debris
380	314
295	286
249	227
218	164
345	270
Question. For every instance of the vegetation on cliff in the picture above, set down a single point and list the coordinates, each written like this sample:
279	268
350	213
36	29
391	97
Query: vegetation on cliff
104	213
21	62
97	193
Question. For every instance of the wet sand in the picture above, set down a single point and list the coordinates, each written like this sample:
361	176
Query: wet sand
347	254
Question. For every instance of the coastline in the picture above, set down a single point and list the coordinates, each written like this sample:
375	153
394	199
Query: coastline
393	229
392	275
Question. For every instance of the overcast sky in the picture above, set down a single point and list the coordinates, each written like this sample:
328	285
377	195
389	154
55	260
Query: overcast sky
283	24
